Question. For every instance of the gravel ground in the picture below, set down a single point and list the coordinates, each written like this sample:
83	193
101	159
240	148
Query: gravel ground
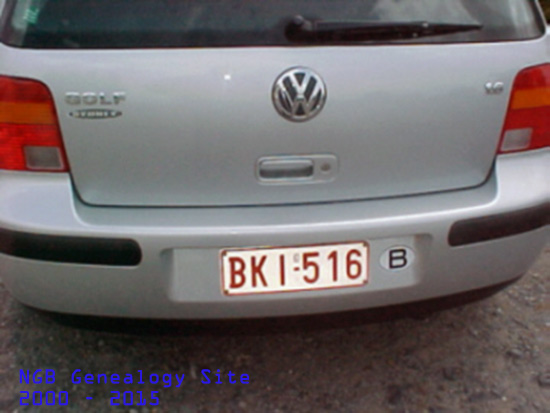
490	356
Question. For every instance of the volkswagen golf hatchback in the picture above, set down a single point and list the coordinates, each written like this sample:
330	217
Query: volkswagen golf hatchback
223	159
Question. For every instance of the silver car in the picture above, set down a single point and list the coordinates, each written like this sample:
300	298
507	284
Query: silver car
224	159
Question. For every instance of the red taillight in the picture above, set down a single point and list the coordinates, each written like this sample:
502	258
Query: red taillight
527	124
30	139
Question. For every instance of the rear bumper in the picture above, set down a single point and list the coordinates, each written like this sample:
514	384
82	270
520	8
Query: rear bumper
61	255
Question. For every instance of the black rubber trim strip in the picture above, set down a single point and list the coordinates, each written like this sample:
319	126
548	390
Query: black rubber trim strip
66	249
497	226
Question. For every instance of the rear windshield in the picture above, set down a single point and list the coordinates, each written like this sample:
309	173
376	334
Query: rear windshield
91	24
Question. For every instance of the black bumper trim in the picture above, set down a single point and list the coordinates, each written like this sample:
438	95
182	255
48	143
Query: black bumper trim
497	226
67	249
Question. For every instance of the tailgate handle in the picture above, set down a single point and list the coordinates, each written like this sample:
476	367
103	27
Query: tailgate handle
286	169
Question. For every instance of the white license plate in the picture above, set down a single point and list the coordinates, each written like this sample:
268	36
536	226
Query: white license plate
277	270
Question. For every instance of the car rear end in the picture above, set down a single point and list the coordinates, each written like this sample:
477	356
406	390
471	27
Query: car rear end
165	160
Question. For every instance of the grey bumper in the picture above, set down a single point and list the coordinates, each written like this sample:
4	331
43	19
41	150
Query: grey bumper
177	272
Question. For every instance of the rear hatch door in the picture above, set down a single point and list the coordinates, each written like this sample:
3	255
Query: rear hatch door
146	125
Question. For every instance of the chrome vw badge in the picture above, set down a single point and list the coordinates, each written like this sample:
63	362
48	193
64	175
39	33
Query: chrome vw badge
299	94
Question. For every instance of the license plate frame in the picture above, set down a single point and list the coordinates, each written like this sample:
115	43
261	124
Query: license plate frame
245	271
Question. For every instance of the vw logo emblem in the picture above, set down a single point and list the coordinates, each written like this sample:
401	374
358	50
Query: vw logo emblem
299	94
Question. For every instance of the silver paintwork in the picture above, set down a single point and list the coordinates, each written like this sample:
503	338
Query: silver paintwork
299	94
429	102
402	120
179	276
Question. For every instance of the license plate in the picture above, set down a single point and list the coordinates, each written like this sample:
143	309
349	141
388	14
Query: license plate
285	269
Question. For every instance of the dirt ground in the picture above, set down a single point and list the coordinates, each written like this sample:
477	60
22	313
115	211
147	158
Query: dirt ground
490	356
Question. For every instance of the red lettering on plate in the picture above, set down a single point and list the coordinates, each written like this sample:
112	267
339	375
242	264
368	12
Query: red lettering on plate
354	267
333	256
257	271
236	269
282	269
309	262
